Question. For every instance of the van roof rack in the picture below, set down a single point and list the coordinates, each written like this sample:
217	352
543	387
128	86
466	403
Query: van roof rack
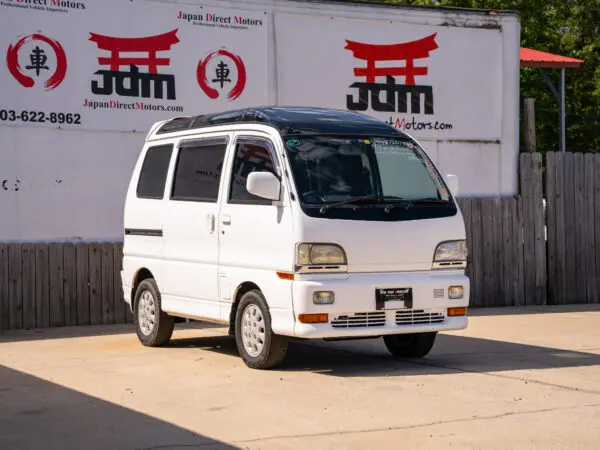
288	121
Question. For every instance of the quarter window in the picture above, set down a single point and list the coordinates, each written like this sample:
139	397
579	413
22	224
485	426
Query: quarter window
153	175
198	170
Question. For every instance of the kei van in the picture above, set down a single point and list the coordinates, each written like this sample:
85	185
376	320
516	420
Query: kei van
293	223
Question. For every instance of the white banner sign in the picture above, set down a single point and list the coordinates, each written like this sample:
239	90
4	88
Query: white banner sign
122	65
432	82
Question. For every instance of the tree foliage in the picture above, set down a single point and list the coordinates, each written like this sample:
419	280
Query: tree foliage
565	27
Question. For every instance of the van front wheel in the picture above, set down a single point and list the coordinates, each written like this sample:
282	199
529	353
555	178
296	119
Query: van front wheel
410	345
259	347
154	327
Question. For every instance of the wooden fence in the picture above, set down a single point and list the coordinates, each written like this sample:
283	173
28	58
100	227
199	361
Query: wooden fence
507	248
61	284
573	216
511	262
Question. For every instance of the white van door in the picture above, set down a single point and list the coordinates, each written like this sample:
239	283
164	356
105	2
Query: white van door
254	233
191	239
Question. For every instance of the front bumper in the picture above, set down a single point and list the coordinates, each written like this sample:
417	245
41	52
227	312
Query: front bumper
355	311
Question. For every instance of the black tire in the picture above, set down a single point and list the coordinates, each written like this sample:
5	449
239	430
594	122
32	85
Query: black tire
162	331
410	345
274	347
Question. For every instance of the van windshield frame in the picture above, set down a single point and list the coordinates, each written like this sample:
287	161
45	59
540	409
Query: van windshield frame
354	177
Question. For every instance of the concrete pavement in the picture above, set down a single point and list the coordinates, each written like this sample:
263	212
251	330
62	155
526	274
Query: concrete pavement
516	378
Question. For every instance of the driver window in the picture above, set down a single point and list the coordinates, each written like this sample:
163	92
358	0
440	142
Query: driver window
251	155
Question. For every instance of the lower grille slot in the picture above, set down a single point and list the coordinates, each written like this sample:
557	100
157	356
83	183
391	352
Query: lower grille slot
374	319
418	317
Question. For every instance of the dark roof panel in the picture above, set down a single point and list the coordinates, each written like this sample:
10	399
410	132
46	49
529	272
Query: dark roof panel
289	121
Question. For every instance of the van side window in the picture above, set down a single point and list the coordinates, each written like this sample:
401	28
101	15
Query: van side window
251	155
198	170
153	175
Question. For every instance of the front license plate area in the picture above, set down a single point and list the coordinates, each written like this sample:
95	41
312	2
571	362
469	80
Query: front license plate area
393	298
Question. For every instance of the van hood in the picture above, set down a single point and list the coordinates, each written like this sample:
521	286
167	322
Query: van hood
403	246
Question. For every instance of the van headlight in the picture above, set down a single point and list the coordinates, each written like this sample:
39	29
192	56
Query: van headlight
450	255
320	258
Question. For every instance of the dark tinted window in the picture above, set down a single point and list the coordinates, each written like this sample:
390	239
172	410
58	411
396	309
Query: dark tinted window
198	170
153	176
250	156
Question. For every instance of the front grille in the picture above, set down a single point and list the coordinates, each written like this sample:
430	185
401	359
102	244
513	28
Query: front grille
366	319
418	317
439	293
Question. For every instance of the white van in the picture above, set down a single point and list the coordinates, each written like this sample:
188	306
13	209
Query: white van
293	223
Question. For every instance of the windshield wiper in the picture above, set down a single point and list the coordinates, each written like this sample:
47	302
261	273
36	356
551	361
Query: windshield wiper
363	199
418	201
429	200
389	200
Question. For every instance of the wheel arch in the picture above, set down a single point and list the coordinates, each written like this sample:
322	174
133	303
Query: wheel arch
239	292
142	274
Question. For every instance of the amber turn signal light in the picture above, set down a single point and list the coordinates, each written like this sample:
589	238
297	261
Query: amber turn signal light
285	275
455	312
313	318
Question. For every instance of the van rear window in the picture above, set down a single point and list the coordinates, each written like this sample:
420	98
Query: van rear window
153	176
198	170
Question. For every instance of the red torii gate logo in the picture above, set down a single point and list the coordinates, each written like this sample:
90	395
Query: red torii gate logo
140	84
396	94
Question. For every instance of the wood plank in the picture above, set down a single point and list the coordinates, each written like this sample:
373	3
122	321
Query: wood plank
498	243
42	285
580	241
581	225
70	283
529	124
120	304
83	283
561	250
551	227
489	264
539	231
4	282
108	292
525	170
519	273
590	241
477	276
15	287
508	251
56	279
569	210
95	284
596	222
33	306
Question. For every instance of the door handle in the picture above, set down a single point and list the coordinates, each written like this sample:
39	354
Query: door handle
226	220
210	223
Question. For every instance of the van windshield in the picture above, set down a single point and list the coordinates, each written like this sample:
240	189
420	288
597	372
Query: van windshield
364	173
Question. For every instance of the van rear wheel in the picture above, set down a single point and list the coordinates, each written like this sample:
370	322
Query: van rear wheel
258	346
153	326
415	345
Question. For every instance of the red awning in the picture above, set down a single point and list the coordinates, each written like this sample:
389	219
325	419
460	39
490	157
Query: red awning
535	58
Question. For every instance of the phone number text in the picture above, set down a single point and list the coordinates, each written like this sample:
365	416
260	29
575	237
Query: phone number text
10	115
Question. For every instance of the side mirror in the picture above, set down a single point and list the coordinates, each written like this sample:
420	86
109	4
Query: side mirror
264	185
452	182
